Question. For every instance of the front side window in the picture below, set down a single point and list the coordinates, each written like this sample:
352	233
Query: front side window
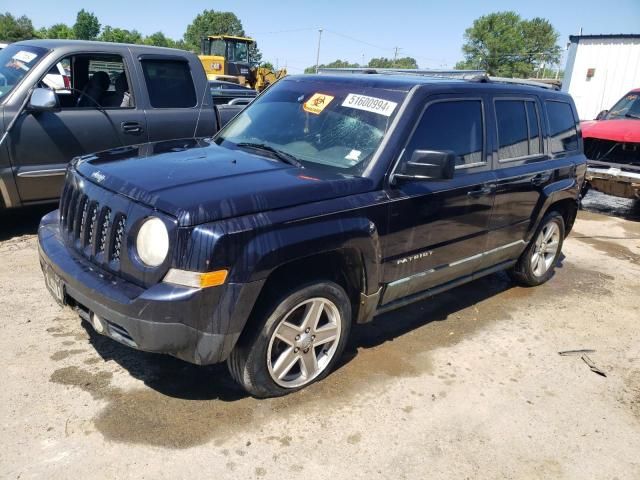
326	124
518	129
15	62
451	125
169	83
562	127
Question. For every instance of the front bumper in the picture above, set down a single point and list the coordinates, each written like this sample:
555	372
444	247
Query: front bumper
199	326
613	180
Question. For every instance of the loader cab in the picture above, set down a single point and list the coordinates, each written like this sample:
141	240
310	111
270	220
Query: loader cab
226	58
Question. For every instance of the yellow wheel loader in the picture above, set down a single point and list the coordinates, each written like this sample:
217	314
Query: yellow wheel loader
225	57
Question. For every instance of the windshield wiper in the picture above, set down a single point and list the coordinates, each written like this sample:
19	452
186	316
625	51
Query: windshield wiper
632	115
279	154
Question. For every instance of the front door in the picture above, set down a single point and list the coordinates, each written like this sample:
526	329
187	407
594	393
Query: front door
97	112
438	228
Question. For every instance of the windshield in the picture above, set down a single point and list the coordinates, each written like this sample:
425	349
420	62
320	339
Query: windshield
238	52
627	107
329	124
15	63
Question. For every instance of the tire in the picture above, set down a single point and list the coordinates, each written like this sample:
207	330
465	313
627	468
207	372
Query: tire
537	263
279	358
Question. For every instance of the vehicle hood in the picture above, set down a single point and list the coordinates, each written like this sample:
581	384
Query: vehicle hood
619	130
197	181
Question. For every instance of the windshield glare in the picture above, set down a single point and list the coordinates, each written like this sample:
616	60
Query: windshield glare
627	107
15	63
328	124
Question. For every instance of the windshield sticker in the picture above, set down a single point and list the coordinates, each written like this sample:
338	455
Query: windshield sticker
354	155
24	56
370	104
317	103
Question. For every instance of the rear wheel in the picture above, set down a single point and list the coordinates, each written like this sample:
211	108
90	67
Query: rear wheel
537	263
301	339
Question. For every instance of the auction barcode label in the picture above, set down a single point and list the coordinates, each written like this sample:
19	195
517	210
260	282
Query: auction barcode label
370	104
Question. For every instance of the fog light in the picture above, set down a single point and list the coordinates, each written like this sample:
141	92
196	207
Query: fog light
98	324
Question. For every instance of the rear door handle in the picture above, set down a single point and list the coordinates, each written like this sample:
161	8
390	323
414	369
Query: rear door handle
134	128
482	191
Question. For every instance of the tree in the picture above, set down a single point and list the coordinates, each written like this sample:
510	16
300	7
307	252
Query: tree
14	29
505	45
211	22
335	64
159	39
87	26
58	30
120	35
404	62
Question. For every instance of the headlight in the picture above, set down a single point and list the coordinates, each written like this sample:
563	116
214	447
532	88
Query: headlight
152	242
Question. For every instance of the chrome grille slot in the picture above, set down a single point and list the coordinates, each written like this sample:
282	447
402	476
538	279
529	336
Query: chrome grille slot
91	227
120	226
103	231
77	216
83	222
71	209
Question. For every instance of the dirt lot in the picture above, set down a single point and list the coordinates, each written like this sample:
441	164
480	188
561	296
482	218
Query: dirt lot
468	385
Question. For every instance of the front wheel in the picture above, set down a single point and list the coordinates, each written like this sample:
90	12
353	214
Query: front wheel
300	341
537	263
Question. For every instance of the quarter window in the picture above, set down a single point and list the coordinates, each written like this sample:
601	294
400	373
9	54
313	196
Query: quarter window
169	83
562	127
451	125
518	130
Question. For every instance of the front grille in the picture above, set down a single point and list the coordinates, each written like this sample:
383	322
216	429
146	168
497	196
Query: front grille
91	228
612	151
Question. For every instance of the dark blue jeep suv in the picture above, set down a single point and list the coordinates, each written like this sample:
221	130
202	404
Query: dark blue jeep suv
328	200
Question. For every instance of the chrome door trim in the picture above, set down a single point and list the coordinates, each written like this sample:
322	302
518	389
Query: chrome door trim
51	172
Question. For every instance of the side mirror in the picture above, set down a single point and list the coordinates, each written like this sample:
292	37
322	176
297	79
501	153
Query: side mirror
43	99
602	114
428	165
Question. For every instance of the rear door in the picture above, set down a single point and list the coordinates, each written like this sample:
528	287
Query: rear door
178	97
42	143
438	228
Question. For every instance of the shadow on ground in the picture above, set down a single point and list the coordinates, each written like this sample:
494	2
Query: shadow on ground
22	221
598	202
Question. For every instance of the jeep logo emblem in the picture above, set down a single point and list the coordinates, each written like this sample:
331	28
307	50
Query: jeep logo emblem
98	176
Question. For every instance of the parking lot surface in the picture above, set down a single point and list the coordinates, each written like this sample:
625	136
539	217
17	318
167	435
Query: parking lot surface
466	385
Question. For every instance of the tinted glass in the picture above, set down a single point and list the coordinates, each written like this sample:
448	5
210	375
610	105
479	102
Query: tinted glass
455	126
513	136
534	129
562	127
169	83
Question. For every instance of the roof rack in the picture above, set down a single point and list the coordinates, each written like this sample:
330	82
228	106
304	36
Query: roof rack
469	75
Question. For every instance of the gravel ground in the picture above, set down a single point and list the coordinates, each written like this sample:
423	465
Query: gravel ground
466	385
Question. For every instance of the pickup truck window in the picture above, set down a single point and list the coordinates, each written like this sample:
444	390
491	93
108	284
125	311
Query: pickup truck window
331	125
15	63
169	83
451	125
518	130
562	127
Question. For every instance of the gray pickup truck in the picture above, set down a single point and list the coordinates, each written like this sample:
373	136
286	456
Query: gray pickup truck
63	98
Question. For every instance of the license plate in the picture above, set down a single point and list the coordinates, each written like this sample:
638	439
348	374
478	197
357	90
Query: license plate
54	284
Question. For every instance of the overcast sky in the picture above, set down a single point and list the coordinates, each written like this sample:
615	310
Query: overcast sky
287	31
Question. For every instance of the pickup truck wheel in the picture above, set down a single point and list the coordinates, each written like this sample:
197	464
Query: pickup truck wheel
537	263
301	340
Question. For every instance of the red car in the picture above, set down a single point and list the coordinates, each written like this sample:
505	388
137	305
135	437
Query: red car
612	147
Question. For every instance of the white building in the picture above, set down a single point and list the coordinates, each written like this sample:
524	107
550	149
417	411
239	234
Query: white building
600	70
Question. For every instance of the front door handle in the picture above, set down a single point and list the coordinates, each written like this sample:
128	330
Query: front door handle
134	128
482	191
540	178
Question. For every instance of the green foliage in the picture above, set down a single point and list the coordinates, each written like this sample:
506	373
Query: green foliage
211	22
505	45
87	26
58	30
120	35
335	64
268	65
159	39
13	29
382	62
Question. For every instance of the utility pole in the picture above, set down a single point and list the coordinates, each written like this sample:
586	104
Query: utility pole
395	55
318	52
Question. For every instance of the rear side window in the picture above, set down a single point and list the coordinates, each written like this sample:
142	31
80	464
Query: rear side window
518	129
562	127
169	83
451	125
